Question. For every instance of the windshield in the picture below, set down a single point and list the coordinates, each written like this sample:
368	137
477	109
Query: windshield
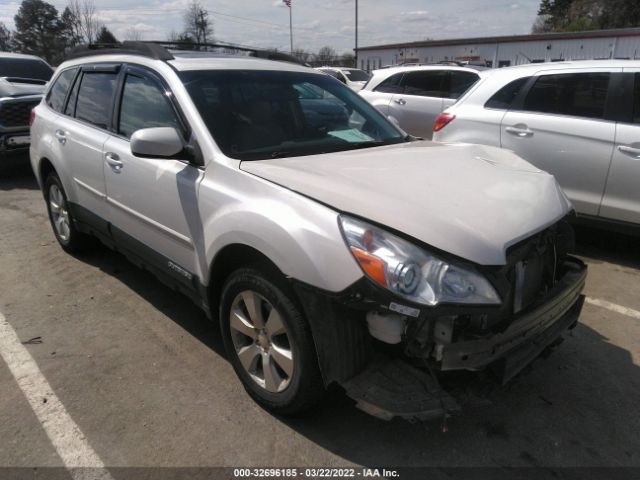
25	68
254	115
356	75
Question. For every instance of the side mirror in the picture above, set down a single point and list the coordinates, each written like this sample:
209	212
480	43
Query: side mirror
160	142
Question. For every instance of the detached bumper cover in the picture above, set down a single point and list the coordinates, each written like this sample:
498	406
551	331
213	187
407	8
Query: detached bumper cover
529	334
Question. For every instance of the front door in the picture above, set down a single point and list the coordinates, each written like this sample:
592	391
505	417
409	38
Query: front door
621	200
152	202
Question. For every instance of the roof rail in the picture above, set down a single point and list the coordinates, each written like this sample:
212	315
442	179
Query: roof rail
159	50
252	52
145	49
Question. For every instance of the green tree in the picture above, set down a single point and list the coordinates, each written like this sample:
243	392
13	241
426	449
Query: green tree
38	30
197	23
70	28
575	15
105	36
5	38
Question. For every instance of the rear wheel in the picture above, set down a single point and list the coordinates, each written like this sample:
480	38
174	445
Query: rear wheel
62	222
269	342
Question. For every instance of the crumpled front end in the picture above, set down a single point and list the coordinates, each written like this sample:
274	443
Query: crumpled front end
541	290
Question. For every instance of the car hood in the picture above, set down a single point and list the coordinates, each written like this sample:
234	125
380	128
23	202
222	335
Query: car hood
16	87
472	201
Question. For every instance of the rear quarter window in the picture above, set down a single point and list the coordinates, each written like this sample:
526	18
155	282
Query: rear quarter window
390	85
503	98
58	92
460	82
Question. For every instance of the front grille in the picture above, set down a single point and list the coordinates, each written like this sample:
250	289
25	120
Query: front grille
16	113
535	264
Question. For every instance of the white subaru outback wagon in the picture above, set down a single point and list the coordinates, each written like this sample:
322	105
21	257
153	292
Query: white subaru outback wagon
333	248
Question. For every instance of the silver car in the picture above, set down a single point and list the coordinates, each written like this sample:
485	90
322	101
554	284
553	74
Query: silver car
313	230
412	97
578	120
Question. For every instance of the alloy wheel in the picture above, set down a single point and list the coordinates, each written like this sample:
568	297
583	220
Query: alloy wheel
261	341
59	213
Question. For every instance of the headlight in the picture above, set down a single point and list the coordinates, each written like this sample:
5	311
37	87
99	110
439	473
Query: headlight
412	272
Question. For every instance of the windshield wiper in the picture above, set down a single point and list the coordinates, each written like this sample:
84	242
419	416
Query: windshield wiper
367	144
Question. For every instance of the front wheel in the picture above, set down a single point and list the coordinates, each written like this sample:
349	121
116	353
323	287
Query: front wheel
269	342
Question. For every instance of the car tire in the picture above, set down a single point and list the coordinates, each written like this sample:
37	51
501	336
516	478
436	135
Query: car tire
263	325
62	221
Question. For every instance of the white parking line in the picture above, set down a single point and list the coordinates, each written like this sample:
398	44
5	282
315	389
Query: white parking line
629	312
67	438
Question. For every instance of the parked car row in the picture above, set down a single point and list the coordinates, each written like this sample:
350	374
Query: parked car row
310	226
579	121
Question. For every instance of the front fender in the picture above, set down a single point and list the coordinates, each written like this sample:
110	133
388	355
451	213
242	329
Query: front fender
304	243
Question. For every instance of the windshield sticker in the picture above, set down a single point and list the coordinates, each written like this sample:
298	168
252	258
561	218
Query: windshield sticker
352	135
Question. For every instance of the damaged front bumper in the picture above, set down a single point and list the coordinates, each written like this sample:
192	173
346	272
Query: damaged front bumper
404	382
527	336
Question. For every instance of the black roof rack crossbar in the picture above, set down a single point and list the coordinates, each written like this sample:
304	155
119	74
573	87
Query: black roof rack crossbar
145	49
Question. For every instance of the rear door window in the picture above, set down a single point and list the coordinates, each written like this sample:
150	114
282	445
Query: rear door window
636	99
95	96
426	83
58	92
390	85
576	94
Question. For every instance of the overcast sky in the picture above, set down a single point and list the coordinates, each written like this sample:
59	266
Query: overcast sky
265	23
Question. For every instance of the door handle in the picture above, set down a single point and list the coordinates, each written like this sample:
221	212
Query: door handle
521	132
61	136
114	161
632	152
400	101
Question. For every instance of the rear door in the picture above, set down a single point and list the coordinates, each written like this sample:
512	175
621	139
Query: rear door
559	126
152	201
81	132
621	200
420	102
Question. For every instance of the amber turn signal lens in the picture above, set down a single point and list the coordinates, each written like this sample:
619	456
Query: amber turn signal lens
372	265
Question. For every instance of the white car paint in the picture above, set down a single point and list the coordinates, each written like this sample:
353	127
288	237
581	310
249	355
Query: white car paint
280	214
593	159
414	113
493	200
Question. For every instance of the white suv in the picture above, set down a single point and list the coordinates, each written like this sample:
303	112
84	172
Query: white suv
578	120
354	78
312	236
412	97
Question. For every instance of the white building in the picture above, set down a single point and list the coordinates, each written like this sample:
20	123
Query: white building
509	50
